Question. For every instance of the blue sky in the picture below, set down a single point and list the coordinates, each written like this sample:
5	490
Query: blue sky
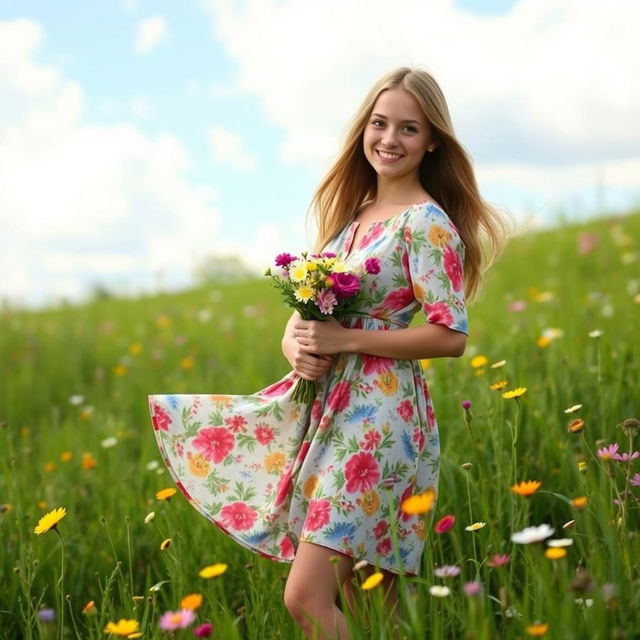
139	137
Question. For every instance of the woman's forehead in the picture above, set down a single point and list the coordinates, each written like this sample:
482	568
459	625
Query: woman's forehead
398	104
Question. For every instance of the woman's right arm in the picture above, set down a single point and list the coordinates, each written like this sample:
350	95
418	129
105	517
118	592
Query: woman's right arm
304	364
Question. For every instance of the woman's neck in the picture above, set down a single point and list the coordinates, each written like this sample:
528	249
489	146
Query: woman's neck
402	191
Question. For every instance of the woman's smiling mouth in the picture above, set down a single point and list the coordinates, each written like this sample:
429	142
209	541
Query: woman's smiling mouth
388	156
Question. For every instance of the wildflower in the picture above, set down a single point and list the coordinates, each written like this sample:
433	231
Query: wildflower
193	601
630	426
625	457
124	628
466	466
478	361
361	564
514	393
517	305
445	524
596	333
582	466
421	503
466	405
76	400
473	588
425	363
213	570
569	524
497	365
203	630
49	467
172	620
580	503
120	370
532	534
446	571
496	386
135	348
166	494
498	560
607	453
475	526
526	489
109	442
555	553
538	629
543	341
439	591
50	520
576	426
372	581
88	461
149	517
560	542
573	408
46	615
66	456
635	480
165	544
89	608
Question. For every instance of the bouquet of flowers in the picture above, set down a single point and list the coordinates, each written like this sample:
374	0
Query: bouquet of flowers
318	286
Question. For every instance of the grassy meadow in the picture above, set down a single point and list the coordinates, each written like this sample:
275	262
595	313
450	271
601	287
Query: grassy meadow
559	318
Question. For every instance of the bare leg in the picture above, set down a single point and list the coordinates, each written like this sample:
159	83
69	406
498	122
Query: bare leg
311	589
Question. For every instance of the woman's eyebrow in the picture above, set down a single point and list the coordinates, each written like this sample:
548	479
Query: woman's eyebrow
379	115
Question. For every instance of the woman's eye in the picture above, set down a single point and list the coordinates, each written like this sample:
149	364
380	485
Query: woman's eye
412	129
377	123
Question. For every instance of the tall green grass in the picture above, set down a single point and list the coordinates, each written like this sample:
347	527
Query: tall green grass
75	381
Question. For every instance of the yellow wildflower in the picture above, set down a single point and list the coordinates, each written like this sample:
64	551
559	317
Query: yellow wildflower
123	628
213	570
50	520
527	488
166	494
372	581
479	361
420	503
514	393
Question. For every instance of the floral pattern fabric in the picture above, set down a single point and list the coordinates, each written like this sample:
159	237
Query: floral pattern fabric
271	472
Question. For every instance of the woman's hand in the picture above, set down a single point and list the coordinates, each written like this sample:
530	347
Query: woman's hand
324	337
305	364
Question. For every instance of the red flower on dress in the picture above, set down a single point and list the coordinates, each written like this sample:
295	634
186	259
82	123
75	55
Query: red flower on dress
398	299
235	423
405	410
384	547
372	439
438	313
431	417
160	418
453	267
284	484
215	443
375	364
286	548
418	438
239	516
371	236
362	472
318	514
264	434
302	453
316	410
380	529
338	399
277	388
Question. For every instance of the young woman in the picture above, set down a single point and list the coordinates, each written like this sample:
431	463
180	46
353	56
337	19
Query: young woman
314	485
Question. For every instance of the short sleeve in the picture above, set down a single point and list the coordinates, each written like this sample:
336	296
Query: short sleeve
436	267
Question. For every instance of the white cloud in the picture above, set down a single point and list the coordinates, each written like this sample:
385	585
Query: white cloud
150	33
229	149
552	83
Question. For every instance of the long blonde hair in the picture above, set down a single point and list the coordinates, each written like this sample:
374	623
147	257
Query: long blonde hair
446	174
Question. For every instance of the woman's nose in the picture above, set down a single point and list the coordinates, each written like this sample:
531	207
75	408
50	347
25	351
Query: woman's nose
389	137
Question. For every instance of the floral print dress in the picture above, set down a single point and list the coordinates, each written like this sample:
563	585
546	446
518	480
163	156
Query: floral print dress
271	472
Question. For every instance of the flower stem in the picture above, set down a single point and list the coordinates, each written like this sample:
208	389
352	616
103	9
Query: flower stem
60	585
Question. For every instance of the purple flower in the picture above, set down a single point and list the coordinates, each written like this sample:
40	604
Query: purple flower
203	630
372	265
284	259
607	453
447	571
473	588
635	479
466	404
172	620
328	254
345	285
46	615
326	301
625	457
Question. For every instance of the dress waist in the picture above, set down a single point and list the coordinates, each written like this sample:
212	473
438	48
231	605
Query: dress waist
371	322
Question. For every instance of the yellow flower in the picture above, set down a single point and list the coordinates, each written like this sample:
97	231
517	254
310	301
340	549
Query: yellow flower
50	520
303	293
576	426
475	526
124	628
425	363
165	544
66	456
191	602
274	462
370	502
421	503
42	504
580	503
539	629
514	393
299	272
527	488
166	494
387	382
49	467
88	461
213	570
496	386
479	361
309	486
543	341
372	581
311	266
555	553
573	408
120	370
163	321
439	236
198	464
135	348
582	466
186	363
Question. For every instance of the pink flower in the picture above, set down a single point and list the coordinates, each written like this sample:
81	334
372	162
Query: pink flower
375	232
160	418
318	514
517	305
215	443
264	434
235	423
203	630
361	472
498	560
625	457
326	301
431	417
405	410
172	620
438	313
398	299
371	440
338	399
345	284
239	516
277	388
372	265
473	588
453	267
383	547
608	453
284	484
635	480
587	242
284	259
445	524
375	364
418	438
380	529
446	571
286	548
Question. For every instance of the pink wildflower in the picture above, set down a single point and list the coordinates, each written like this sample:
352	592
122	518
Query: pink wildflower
498	560
203	630
172	620
445	524
446	571
635	479
625	457
607	453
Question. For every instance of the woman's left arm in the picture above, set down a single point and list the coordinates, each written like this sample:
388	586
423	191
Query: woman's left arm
412	343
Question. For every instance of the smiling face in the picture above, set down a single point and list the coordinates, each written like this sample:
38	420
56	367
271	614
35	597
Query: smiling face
397	134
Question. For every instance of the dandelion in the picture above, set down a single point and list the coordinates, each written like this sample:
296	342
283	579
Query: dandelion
372	581
580	503
446	571
166	494
573	408
165	544
88	461
527	488
607	453
543	341
123	628
475	526
439	591
172	620
213	570
555	553
203	630
514	393
538	629
66	456
445	524
419	504
192	602
560	542
496	386
532	534
576	426
498	560
49	521
478	361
